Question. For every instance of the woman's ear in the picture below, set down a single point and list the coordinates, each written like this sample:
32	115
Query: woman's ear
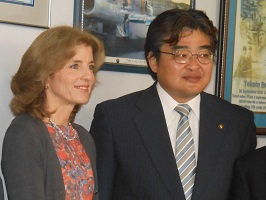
152	62
46	85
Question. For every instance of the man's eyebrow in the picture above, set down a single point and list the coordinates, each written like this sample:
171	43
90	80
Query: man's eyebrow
178	47
175	48
206	47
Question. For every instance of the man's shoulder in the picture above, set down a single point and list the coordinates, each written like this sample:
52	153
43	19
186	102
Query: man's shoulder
219	103
258	154
128	98
254	159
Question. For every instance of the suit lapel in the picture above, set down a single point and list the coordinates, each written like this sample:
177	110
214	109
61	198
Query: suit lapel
152	128
213	129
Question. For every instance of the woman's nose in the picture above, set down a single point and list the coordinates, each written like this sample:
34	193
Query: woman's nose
87	73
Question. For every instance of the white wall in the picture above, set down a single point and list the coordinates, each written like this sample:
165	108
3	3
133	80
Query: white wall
15	39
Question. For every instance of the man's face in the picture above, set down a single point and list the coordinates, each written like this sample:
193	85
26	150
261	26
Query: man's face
262	38
183	81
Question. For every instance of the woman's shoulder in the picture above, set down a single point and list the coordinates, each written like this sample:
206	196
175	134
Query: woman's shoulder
26	119
82	132
24	126
79	128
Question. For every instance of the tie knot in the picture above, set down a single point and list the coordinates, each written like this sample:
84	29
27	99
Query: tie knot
183	109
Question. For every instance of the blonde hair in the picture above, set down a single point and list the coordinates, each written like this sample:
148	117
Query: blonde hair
48	53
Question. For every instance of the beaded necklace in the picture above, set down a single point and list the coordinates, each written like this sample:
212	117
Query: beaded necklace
62	132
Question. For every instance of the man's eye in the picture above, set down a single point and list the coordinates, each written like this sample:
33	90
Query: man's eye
204	55
182	55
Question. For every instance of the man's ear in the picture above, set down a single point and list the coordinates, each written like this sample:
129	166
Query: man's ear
152	62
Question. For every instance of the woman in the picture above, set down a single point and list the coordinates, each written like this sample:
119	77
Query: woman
45	155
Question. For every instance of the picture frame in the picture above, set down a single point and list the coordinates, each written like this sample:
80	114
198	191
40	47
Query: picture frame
241	59
26	12
122	25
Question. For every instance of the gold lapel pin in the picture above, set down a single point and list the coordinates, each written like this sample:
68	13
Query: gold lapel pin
220	126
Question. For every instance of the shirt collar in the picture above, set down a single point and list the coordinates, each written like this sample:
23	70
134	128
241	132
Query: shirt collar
169	103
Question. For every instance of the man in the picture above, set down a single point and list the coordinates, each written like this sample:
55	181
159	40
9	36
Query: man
137	136
250	176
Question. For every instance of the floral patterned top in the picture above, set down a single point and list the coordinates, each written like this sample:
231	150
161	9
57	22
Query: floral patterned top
75	164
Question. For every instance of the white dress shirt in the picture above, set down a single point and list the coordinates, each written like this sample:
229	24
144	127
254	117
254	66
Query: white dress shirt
172	117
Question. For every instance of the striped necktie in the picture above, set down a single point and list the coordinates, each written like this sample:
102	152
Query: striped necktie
185	151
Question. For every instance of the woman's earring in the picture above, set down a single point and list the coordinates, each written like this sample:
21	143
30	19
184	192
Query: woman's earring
46	87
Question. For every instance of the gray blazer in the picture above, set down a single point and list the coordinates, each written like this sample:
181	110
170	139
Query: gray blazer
135	159
30	165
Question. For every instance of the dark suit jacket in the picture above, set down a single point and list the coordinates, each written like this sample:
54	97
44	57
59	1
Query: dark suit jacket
30	166
1	190
135	160
250	176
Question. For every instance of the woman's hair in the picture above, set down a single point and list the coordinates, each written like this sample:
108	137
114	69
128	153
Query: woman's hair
48	53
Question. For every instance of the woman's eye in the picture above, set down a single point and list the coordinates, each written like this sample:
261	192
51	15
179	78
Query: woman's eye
74	66
91	67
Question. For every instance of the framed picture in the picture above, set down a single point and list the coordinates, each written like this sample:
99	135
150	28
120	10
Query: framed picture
241	57
122	25
26	12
